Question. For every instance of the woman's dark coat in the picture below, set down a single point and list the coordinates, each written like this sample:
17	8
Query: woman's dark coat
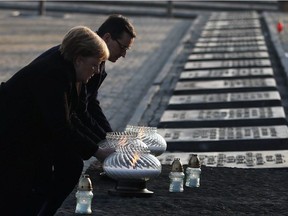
37	115
89	110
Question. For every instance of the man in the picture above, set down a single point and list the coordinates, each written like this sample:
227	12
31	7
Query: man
118	34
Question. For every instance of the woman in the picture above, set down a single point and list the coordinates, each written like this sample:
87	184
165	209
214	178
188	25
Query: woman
39	130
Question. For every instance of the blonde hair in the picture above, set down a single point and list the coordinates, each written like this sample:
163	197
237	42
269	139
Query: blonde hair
82	41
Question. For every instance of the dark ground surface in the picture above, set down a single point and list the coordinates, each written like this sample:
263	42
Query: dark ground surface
223	191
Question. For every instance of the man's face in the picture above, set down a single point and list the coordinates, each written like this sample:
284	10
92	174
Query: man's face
118	47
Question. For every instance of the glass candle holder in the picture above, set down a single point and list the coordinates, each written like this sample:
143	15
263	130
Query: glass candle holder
155	142
132	165
193	172
176	176
84	195
115	139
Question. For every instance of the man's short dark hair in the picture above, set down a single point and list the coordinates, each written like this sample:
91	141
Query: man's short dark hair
116	24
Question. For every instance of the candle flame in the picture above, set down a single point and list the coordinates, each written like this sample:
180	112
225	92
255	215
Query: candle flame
122	141
135	158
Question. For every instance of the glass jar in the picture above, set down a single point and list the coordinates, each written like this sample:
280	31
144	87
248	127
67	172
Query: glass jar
193	172
84	195
176	176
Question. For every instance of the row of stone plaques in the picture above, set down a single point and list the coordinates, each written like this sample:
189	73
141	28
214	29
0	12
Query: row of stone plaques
226	138
208	113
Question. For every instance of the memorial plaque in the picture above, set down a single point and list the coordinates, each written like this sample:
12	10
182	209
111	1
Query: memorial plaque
229	27
231	39
229	49
232	55
225	100
224	133
231	72
227	64
249	116
236	23
227	43
226	138
232	33
233	16
224	27
234	159
228	85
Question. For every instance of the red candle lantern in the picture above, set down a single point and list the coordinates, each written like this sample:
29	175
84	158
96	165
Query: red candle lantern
279	26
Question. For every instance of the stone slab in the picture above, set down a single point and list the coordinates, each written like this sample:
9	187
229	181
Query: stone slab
224	73
226	138
229	49
229	27
225	56
225	100
234	15
232	159
237	25
225	85
249	116
196	65
231	39
238	22
229	43
232	33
